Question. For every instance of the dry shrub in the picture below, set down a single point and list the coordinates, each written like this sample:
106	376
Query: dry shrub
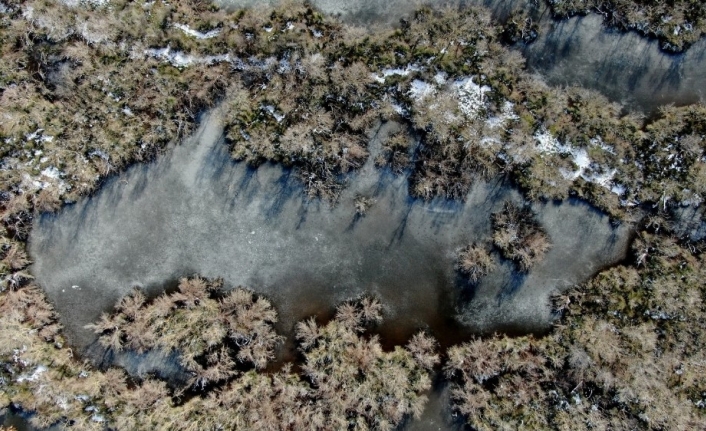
475	261
205	325
519	236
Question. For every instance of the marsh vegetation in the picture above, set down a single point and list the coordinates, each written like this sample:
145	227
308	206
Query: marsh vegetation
347	380
87	89
677	24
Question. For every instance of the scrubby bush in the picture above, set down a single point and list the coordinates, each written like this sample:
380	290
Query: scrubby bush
475	262
205	325
519	236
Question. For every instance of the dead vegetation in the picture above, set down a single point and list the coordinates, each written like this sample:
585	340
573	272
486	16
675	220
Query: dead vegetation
518	236
205	325
347	379
80	99
627	353
677	24
475	262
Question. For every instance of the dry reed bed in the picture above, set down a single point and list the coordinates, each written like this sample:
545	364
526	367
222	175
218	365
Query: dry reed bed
87	90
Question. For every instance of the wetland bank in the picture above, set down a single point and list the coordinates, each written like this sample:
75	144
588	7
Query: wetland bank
397	197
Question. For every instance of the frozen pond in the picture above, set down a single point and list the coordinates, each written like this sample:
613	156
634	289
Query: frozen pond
196	211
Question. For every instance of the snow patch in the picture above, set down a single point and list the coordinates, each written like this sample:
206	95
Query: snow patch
397	71
440	78
471	96
618	189
51	172
32	377
197	34
75	3
548	144
598	142
420	89
271	109
179	59
507	113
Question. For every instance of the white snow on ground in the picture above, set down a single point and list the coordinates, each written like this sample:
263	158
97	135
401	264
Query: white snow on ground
598	142
51	172
618	189
271	109
548	144
420	89
380	77
3	8
32	377
49	177
74	3
179	59
197	34
471	96
507	113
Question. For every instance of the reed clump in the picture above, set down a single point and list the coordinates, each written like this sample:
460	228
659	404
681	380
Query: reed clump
346	380
205	325
676	24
